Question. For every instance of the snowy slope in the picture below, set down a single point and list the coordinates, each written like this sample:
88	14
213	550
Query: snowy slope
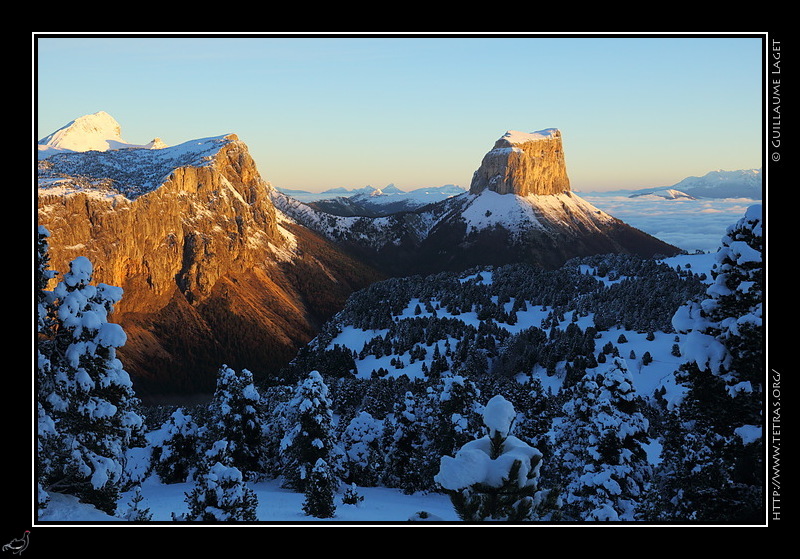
132	171
484	211
520	213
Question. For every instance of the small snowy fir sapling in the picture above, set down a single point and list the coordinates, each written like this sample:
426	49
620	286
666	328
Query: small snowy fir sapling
174	447
351	496
137	512
220	492
496	477
319	491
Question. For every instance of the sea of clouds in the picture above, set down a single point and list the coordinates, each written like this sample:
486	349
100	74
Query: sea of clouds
688	224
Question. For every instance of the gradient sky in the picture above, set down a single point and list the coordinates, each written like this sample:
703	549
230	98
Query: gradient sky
320	113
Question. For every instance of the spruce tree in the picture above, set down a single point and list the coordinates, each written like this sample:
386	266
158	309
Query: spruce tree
363	454
46	434
406	446
319	491
90	396
311	437
235	416
457	412
175	448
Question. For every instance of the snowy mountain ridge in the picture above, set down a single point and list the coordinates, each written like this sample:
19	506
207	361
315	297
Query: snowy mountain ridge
130	170
742	183
373	202
95	132
669	194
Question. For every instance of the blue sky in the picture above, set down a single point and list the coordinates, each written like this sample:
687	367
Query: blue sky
320	113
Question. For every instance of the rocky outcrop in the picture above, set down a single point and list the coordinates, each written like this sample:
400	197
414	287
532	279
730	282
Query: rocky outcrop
524	164
201	223
210	273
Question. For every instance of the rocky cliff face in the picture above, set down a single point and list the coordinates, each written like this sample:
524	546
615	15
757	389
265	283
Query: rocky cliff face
524	164
201	223
211	273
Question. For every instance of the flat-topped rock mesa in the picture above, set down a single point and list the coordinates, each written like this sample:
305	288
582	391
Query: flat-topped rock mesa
524	163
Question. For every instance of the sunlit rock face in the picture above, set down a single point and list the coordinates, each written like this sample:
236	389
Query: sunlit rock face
523	164
211	272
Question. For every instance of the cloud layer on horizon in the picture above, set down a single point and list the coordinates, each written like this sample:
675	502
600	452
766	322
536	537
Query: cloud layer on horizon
688	224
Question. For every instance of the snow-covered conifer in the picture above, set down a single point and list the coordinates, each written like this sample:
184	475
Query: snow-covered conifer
600	444
406	444
361	445
176	447
457	414
311	435
235	417
92	401
220	493
712	468
496	477
319	491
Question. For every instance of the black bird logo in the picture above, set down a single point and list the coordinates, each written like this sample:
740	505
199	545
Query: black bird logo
18	545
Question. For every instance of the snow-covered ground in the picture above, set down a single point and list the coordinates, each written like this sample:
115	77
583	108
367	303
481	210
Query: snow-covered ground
275	504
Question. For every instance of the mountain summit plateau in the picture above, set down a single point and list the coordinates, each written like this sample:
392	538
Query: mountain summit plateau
524	163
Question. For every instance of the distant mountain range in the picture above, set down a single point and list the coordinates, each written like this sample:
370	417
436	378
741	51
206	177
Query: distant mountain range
743	183
373	202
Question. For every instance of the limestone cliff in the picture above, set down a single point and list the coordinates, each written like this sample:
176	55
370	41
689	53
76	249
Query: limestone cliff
524	164
211	272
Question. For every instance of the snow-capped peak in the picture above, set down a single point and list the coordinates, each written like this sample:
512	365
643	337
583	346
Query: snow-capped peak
392	189
94	132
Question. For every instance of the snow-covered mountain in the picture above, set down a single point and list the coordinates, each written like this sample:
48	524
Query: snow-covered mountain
373	202
95	132
743	183
189	232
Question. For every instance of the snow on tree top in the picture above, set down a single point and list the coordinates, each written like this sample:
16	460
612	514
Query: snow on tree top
498	415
